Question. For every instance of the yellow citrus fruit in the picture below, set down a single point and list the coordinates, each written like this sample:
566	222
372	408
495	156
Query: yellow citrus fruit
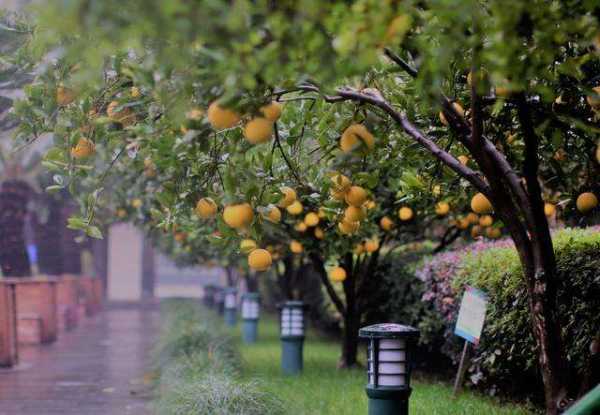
206	208
549	209
319	234
370	204
586	202
221	118
64	96
354	214
272	111
485	221
476	231
247	246
594	98
124	115
121	213
337	274
493	233
136	203
371	245
337	195
260	260
258	130
295	208
348	228
321	213
356	196
274	215
135	92
462	223
288	196
340	183
359	249
472	218
83	149
354	136
405	213
464	160
296	247
238	216
442	208
311	219
386	223
481	204
300	227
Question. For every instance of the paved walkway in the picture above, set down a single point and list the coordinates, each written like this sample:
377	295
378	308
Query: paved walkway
96	369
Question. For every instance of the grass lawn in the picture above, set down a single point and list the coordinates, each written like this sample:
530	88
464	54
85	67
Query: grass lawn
322	389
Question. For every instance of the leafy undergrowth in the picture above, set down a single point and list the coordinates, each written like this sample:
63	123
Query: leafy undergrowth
198	366
322	389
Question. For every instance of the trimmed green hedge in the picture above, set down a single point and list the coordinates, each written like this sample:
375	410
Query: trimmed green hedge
199	367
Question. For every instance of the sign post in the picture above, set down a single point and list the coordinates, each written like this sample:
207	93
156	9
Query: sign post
469	326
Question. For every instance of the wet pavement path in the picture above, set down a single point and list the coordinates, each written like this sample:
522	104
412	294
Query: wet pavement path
96	369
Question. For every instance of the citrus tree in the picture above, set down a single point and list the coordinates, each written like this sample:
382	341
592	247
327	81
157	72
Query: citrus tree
493	100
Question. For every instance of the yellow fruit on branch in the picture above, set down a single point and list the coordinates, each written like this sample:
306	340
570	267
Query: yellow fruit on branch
272	111
319	234
206	208
356	136
121	213
247	246
405	213
359	249
273	214
83	149
300	227
370	204
348	228
371	245
64	96
296	247
481	204
463	223
549	209
295	208
238	216
476	231
386	223
337	274
260	260
354	214
464	160
586	202
258	130
485	221
221	118
124	115
472	218
356	196
288	196
135	92
340	183
442	208
311	219
493	233
337	195
321	213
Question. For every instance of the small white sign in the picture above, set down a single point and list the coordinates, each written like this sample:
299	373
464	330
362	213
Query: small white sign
471	315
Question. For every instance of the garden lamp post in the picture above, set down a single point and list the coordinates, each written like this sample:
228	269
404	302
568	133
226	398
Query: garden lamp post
292	336
230	306
388	367
250	310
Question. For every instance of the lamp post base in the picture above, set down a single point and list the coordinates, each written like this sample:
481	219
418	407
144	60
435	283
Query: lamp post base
292	359
388	401
250	331
230	316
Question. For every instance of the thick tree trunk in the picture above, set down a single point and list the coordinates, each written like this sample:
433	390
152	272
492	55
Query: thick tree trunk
14	195
349	341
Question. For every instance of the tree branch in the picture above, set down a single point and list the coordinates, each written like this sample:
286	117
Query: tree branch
400	62
335	298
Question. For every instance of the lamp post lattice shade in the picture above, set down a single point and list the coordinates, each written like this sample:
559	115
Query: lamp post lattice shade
250	306
292	319
230	298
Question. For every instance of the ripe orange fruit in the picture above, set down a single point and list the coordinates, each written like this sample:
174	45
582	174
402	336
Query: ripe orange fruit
247	246
464	160
319	234
386	223
354	214
300	227
348	228
405	213
221	118
272	111
258	130
311	219
549	209
296	247
355	136
371	245
274	214
260	260
337	274
481	204
586	202
340	183
485	221
206	208
288	196
124	116
83	149
295	208
442	208
356	196
238	216
493	233
64	95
